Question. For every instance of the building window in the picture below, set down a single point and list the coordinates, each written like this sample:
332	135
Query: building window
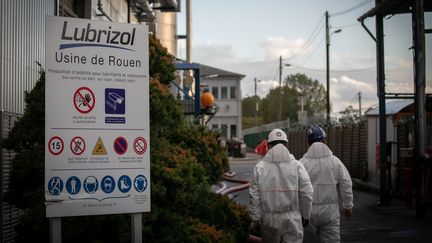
233	131
224	93
233	92
215	92
214	127
224	130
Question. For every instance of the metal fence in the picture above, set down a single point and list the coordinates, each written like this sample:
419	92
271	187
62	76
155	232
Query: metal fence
9	214
348	143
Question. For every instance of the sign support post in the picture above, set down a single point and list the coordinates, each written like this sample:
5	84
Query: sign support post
136	228
55	230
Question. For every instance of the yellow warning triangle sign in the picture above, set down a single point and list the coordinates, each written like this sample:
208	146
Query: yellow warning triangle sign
99	148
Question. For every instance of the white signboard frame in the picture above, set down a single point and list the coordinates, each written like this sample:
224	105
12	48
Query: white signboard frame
97	156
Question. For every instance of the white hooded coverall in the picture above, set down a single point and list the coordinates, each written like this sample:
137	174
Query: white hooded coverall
328	175
280	195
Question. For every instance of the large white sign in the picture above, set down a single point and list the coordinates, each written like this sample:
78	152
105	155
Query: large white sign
97	158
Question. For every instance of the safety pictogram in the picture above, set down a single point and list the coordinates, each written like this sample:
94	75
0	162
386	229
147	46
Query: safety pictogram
140	183
84	100
108	184
77	145
99	148
115	100
124	183
140	145
55	145
73	185
120	145
91	184
55	186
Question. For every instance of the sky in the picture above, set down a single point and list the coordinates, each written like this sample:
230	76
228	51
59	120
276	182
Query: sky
249	36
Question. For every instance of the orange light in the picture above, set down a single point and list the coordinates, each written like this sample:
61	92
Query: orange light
207	99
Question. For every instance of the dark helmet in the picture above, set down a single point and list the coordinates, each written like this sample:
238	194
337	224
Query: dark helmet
315	134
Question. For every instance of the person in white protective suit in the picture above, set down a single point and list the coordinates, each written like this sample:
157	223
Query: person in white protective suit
329	177
280	193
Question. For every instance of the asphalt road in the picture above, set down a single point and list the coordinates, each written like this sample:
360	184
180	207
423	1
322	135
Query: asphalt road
369	223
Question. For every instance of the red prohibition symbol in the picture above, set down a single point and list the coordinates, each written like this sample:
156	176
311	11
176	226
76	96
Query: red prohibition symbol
120	145
77	145
84	100
140	145
55	145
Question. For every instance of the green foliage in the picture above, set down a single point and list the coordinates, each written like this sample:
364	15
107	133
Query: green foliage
185	161
289	107
251	116
350	116
160	62
249	105
313	90
295	85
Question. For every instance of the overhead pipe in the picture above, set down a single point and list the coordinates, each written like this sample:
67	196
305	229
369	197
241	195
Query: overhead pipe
100	8
150	15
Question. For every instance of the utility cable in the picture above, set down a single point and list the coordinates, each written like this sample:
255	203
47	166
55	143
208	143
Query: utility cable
309	40
350	9
313	52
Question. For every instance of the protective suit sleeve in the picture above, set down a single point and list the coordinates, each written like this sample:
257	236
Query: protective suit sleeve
305	192
345	186
255	198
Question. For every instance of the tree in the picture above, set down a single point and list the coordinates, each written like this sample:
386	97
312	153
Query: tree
350	116
289	107
185	161
312	90
251	112
295	86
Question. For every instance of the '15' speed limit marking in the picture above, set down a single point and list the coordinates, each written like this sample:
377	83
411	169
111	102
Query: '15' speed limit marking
55	145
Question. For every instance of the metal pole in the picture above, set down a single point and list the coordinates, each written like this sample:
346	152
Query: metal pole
55	230
379	27
197	103
188	31
420	100
136	228
280	89
327	66
419	73
256	102
359	94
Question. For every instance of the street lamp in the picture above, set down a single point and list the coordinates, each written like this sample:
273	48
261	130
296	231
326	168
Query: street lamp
328	63
280	86
256	81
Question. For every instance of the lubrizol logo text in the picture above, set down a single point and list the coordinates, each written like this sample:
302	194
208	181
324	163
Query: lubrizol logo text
96	37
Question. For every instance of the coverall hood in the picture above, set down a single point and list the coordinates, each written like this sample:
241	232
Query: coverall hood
318	150
278	153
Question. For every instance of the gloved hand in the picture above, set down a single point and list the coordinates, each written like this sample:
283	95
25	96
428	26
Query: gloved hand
254	226
347	213
305	222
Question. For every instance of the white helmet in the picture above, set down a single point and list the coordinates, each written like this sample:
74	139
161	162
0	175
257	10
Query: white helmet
277	135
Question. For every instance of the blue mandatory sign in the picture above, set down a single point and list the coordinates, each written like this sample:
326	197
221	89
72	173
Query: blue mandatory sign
91	184
124	183
140	183
55	186
108	184
73	185
115	100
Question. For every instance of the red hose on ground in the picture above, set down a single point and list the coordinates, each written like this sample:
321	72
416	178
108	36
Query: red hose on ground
228	176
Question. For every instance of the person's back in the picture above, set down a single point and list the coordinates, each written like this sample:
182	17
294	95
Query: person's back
328	175
281	194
